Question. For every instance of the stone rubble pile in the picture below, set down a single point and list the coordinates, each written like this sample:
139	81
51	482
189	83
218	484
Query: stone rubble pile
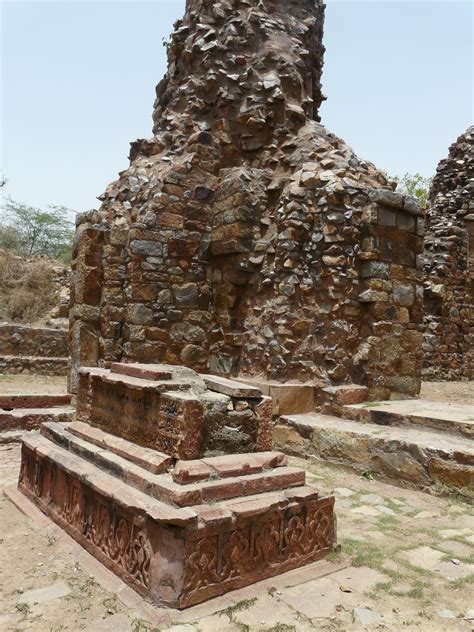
244	238
449	266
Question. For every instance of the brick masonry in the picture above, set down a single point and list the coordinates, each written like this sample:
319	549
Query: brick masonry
38	350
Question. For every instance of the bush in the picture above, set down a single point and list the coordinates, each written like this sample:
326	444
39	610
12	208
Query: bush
29	231
27	288
416	185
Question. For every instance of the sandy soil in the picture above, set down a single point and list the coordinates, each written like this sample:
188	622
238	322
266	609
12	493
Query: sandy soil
33	384
459	392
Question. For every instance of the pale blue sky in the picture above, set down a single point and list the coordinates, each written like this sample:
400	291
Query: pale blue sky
78	84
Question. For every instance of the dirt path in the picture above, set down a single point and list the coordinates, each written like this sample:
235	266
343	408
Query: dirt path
33	384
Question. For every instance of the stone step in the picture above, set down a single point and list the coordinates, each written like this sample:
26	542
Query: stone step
288	398
135	369
31	418
106	484
18	400
229	465
162	486
164	551
11	436
441	416
134	380
109	483
231	387
34	365
332	399
152	460
417	456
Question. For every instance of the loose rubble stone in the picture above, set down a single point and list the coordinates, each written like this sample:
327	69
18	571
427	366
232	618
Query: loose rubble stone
366	616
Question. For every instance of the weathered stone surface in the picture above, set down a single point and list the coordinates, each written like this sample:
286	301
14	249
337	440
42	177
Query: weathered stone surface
168	408
449	267
419	456
33	365
33	350
32	418
231	387
23	340
179	556
245	239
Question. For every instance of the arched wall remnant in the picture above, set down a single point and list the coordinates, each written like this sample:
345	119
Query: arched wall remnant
244	238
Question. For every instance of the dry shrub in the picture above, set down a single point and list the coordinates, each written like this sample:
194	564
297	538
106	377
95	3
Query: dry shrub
27	288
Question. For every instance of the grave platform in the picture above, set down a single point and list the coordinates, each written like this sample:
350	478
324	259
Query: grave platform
152	486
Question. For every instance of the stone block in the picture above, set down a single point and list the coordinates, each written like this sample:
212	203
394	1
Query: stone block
233	388
386	217
374	269
291	398
138	410
399	464
342	446
451	474
182	556
346	394
286	438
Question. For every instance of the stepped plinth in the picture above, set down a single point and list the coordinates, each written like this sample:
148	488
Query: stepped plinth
168	478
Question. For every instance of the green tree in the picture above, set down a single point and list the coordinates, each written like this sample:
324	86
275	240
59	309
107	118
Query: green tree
32	231
416	185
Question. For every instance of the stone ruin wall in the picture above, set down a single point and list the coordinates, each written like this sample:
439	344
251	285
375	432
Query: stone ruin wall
244	238
449	267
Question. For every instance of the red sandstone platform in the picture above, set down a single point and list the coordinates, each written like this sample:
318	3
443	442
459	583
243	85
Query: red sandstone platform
178	531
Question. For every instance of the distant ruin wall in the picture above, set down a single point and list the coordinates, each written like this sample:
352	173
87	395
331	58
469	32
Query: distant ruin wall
244	238
33	350
449	267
